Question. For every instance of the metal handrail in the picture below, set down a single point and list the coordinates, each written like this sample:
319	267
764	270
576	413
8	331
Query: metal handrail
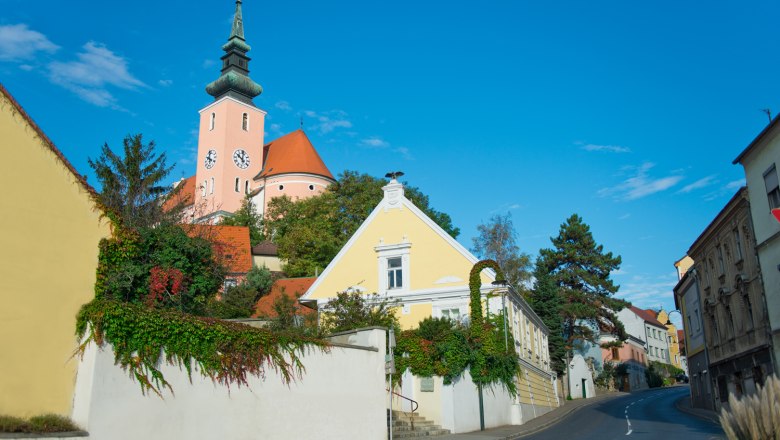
415	405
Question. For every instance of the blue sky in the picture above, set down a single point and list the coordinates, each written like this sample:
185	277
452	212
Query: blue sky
626	113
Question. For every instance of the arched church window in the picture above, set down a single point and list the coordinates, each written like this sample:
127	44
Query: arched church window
246	187
211	189
281	187
237	182
245	122
311	187
203	188
212	120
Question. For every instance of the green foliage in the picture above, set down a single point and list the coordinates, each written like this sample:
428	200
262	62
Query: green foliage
225	352
131	192
289	316
581	270
440	347
260	280
497	241
547	303
38	424
310	232
666	370
606	378
654	377
352	310
247	216
126	260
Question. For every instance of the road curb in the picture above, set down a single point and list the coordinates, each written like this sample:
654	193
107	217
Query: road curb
687	410
560	417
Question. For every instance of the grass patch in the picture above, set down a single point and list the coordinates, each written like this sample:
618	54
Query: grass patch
37	424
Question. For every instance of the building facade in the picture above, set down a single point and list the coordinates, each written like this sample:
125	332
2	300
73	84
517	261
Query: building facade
760	161
49	269
401	254
671	338
687	299
631	355
643	325
734	313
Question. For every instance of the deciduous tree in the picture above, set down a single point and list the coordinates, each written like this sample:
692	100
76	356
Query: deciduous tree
497	241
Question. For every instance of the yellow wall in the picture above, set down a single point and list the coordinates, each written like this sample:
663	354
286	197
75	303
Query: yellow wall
49	233
533	388
674	346
272	263
417	312
431	257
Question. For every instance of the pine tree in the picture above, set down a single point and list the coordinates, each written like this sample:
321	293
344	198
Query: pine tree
130	184
581	271
547	303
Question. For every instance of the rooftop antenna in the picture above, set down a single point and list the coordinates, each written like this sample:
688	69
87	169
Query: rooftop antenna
394	174
768	113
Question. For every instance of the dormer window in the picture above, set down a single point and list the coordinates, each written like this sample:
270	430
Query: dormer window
245	122
212	120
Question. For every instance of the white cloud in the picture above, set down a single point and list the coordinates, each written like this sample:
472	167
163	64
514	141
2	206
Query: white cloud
726	190
95	68
640	184
404	152
327	122
165	82
283	105
606	148
650	292
374	142
18	42
208	63
624	216
701	183
735	184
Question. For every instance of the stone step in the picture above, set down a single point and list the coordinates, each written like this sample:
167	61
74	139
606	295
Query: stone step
413	434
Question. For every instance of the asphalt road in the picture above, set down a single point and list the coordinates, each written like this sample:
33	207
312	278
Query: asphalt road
643	415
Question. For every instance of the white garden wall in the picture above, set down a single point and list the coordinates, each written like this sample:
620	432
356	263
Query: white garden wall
341	395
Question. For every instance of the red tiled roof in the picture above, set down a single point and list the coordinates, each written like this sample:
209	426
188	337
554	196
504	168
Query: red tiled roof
48	143
681	336
648	315
292	153
293	287
230	243
186	194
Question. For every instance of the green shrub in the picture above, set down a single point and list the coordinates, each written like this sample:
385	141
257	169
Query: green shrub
754	417
38	424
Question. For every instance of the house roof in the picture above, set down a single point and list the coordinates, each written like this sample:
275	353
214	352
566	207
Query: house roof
186	194
293	287
681	336
292	153
230	243
648	315
47	142
764	133
265	248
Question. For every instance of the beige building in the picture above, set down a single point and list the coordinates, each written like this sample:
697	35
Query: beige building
734	313
760	160
49	233
671	338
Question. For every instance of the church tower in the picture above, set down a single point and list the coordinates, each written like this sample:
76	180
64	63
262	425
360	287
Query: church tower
230	140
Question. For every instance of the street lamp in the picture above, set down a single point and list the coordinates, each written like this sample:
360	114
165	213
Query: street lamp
669	315
502	284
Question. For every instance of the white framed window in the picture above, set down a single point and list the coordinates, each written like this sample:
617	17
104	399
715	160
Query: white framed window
203	188
212	120
211	188
246	187
393	262
245	122
451	314
395	274
237	183
772	187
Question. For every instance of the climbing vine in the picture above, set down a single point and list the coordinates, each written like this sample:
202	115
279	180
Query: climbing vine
440	347
225	352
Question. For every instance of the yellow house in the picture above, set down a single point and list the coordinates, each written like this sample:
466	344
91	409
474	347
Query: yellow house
49	234
671	338
402	255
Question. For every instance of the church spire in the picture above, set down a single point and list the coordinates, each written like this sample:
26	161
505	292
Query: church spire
235	81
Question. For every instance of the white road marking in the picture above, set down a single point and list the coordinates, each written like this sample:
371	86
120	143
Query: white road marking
628	422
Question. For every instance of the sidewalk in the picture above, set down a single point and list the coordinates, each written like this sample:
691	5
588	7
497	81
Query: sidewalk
511	432
684	404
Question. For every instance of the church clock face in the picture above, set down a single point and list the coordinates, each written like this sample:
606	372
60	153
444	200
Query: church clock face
211	159
241	158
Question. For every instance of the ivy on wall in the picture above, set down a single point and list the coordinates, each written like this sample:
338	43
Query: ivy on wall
225	352
440	347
